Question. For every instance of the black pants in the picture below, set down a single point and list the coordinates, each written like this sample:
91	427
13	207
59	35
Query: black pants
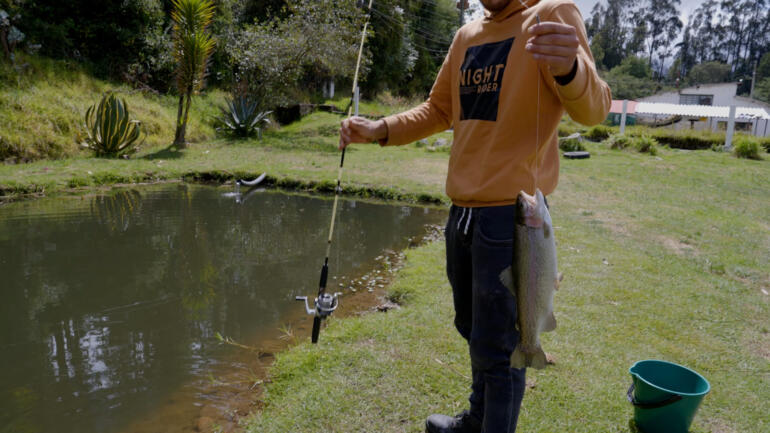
479	245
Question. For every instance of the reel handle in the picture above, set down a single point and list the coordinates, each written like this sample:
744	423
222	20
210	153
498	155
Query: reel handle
309	310
325	305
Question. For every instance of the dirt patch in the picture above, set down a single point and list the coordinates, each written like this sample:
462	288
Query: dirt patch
677	247
614	225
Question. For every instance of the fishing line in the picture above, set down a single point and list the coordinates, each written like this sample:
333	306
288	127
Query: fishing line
537	118
325	303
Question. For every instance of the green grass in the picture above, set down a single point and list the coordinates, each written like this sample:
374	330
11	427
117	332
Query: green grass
42	109
663	258
296	156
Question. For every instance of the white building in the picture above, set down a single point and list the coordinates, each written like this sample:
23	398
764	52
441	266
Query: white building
713	95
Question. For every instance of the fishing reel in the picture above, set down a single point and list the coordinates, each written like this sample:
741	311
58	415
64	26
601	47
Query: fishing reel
325	304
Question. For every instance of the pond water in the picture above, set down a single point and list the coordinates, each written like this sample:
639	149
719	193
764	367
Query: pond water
112	303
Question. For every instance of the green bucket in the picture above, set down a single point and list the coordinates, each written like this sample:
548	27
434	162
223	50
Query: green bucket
665	396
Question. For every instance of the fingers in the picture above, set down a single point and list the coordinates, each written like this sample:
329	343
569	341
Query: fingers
555	39
549	27
552	50
354	130
558	65
554	45
346	133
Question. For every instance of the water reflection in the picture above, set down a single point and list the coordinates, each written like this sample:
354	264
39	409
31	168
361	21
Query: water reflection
112	303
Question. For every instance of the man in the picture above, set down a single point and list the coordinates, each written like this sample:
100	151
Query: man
503	87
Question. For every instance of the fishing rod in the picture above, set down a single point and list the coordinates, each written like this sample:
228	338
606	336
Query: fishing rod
326	303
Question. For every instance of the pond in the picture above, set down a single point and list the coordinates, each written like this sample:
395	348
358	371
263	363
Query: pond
112	303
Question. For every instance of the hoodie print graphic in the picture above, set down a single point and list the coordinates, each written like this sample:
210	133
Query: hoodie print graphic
481	78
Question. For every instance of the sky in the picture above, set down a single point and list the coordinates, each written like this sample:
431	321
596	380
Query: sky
686	7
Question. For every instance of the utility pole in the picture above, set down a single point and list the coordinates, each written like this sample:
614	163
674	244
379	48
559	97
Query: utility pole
462	5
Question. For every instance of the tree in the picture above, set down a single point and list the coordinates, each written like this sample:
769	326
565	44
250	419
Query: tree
762	90
746	24
193	46
635	67
391	48
709	72
612	38
661	24
430	26
269	59
762	87
109	35
736	33
763	69
631	79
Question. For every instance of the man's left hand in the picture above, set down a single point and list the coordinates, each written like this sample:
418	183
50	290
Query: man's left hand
555	45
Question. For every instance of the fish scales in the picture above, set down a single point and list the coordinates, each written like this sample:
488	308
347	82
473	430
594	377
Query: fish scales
532	278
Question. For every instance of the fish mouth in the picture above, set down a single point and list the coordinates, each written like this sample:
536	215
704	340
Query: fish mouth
527	214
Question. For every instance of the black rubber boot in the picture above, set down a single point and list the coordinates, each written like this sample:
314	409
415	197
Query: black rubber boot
462	423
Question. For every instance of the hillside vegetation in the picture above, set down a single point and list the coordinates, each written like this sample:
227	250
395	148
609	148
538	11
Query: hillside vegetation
43	104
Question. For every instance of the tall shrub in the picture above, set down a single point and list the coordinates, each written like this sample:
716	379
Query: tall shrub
193	45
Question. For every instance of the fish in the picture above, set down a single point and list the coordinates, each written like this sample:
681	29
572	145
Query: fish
532	278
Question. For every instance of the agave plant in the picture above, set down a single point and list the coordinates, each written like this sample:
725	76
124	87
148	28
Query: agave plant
241	117
108	128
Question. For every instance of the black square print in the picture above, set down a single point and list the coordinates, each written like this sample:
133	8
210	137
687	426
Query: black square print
481	79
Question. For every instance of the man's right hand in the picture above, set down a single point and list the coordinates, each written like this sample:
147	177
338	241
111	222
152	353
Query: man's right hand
360	130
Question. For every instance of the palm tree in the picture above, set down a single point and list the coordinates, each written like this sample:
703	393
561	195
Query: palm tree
193	46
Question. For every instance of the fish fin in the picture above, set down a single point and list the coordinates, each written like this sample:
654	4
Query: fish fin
558	280
506	277
537	360
550	323
518	359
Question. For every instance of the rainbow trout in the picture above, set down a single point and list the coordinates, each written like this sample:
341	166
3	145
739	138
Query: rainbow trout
532	278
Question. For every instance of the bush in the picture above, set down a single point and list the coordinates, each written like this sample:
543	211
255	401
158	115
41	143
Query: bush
625	86
646	144
642	144
765	143
745	147
599	132
681	139
568	127
571	145
619	142
690	140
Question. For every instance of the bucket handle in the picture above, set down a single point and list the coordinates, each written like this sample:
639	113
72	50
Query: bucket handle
631	399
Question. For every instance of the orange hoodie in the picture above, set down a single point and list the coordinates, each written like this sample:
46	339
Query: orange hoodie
487	90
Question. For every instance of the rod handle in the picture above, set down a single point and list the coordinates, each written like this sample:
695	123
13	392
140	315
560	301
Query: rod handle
316	329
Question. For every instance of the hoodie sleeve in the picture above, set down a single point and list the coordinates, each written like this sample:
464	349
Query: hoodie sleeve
586	98
428	118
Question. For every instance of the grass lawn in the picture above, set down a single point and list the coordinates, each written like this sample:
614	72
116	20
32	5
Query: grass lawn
302	152
664	257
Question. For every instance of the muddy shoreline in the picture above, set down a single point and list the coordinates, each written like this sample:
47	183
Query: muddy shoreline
27	192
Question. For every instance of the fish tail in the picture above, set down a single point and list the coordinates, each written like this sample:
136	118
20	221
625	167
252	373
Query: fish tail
537	360
506	277
518	359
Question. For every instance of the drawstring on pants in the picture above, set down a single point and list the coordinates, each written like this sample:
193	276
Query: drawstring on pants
467	220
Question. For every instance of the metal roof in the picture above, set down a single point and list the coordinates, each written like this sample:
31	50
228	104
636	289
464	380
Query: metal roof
617	107
741	113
